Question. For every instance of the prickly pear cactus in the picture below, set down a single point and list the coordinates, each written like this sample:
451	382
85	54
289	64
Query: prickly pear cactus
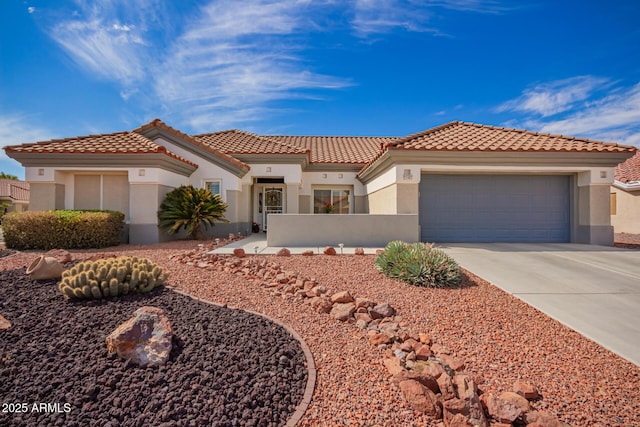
111	277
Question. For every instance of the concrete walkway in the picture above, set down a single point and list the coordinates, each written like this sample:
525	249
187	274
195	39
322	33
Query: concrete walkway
256	243
594	290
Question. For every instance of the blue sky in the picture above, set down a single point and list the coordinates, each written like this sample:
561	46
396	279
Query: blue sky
325	67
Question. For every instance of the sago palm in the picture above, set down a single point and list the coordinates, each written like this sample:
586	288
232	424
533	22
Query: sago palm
190	208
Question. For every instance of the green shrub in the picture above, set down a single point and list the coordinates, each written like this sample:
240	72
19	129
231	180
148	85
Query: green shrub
418	264
66	229
190	208
111	277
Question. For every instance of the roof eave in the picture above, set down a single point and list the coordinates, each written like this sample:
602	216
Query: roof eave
627	186
503	158
120	160
225	161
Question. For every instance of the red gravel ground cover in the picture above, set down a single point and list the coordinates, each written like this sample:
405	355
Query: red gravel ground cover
500	338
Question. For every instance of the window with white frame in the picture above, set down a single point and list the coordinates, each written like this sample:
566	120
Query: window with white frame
215	186
332	200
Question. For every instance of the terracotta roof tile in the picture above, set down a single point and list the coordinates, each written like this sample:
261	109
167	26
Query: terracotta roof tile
240	142
462	136
112	143
15	190
337	149
157	123
629	170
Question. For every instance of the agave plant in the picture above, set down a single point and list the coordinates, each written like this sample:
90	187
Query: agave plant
418	264
190	208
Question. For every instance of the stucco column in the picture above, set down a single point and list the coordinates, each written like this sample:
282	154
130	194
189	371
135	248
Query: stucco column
292	198
144	201
593	215
44	196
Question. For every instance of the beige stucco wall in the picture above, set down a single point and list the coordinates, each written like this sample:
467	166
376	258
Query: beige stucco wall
400	198
304	204
115	194
592	219
44	196
353	230
627	216
383	201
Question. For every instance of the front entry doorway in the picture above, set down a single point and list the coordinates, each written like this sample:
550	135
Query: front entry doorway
270	195
273	203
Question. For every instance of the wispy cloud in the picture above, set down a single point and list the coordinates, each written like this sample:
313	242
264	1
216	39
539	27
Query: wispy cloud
108	38
17	129
584	106
236	60
381	16
227	63
555	97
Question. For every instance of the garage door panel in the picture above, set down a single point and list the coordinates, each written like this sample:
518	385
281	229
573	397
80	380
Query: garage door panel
494	208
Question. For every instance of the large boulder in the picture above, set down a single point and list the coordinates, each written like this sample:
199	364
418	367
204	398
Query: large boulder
342	297
343	311
145	339
381	311
421	398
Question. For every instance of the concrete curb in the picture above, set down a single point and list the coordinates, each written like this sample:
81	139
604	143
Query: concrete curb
312	373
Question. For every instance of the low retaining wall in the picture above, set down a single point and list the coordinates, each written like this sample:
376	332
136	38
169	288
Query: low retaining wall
331	229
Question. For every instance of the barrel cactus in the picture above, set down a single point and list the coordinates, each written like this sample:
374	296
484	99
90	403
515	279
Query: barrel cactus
111	277
419	264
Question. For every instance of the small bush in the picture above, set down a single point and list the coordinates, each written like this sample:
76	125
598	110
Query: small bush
111	277
418	264
65	229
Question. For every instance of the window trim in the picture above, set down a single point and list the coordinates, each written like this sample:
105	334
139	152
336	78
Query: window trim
208	181
333	188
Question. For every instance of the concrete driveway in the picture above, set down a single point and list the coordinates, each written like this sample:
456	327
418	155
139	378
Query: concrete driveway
594	290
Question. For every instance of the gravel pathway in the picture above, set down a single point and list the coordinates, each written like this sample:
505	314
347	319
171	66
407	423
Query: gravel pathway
500	338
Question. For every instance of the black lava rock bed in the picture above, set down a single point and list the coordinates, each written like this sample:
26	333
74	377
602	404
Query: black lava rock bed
227	367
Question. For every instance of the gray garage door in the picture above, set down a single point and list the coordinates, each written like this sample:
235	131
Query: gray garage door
494	208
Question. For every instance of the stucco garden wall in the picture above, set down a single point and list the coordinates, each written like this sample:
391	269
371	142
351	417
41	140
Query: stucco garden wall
331	229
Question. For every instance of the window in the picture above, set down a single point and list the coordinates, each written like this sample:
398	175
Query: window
613	203
332	201
214	186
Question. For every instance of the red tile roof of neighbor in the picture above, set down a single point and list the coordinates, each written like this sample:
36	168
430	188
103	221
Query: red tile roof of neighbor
454	136
629	170
15	190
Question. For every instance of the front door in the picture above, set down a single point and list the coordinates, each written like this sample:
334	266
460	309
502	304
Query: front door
273	200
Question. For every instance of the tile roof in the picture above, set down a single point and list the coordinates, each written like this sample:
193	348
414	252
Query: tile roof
338	149
13	189
240	142
629	170
112	143
157	123
463	136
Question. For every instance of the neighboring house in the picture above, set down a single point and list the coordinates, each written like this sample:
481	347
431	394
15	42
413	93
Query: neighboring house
625	197
459	182
14	195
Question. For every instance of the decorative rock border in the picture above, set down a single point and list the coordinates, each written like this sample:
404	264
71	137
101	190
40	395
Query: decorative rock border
429	376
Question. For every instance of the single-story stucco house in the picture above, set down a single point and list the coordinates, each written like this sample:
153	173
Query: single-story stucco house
625	197
459	182
14	195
